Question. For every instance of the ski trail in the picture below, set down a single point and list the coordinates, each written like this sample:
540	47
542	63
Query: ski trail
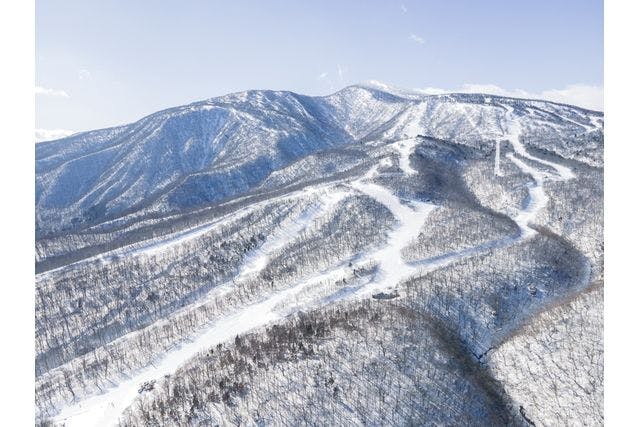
256	260
259	258
537	199
105	409
413	128
514	130
404	148
496	165
410	217
158	245
596	124
395	270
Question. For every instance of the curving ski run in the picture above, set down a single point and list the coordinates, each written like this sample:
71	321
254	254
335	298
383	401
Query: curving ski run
105	409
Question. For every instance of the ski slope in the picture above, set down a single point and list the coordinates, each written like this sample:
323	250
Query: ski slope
105	409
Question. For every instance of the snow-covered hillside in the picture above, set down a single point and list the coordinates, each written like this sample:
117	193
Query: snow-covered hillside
218	149
375	256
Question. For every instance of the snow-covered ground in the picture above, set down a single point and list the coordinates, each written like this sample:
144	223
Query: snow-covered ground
496	165
111	170
287	232
104	409
513	135
392	269
158	245
405	147
555	366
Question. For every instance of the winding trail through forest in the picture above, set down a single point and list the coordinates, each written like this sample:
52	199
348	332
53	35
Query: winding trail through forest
105	409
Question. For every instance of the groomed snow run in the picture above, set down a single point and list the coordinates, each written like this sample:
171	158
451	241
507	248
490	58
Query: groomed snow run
155	246
105	409
496	164
513	135
258	259
405	147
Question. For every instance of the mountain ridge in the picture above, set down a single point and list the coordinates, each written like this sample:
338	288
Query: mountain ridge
357	85
215	149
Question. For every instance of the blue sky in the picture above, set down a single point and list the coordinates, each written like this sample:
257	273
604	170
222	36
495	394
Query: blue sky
103	63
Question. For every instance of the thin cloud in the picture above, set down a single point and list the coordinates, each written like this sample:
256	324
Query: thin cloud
43	91
326	80
341	72
591	97
84	74
403	8
586	96
416	38
51	134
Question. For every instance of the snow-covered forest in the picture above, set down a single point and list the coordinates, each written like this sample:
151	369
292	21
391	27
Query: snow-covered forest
366	258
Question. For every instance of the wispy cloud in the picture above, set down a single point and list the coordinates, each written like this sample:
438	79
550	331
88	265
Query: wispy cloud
51	134
416	38
43	91
403	8
84	74
335	79
586	96
341	72
583	95
327	80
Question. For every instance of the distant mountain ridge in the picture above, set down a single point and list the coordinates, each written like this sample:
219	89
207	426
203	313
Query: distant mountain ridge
210	151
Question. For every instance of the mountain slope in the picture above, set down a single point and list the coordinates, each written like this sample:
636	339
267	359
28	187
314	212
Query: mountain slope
214	150
377	257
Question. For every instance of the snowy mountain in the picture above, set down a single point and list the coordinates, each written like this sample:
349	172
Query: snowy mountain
375	256
215	150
